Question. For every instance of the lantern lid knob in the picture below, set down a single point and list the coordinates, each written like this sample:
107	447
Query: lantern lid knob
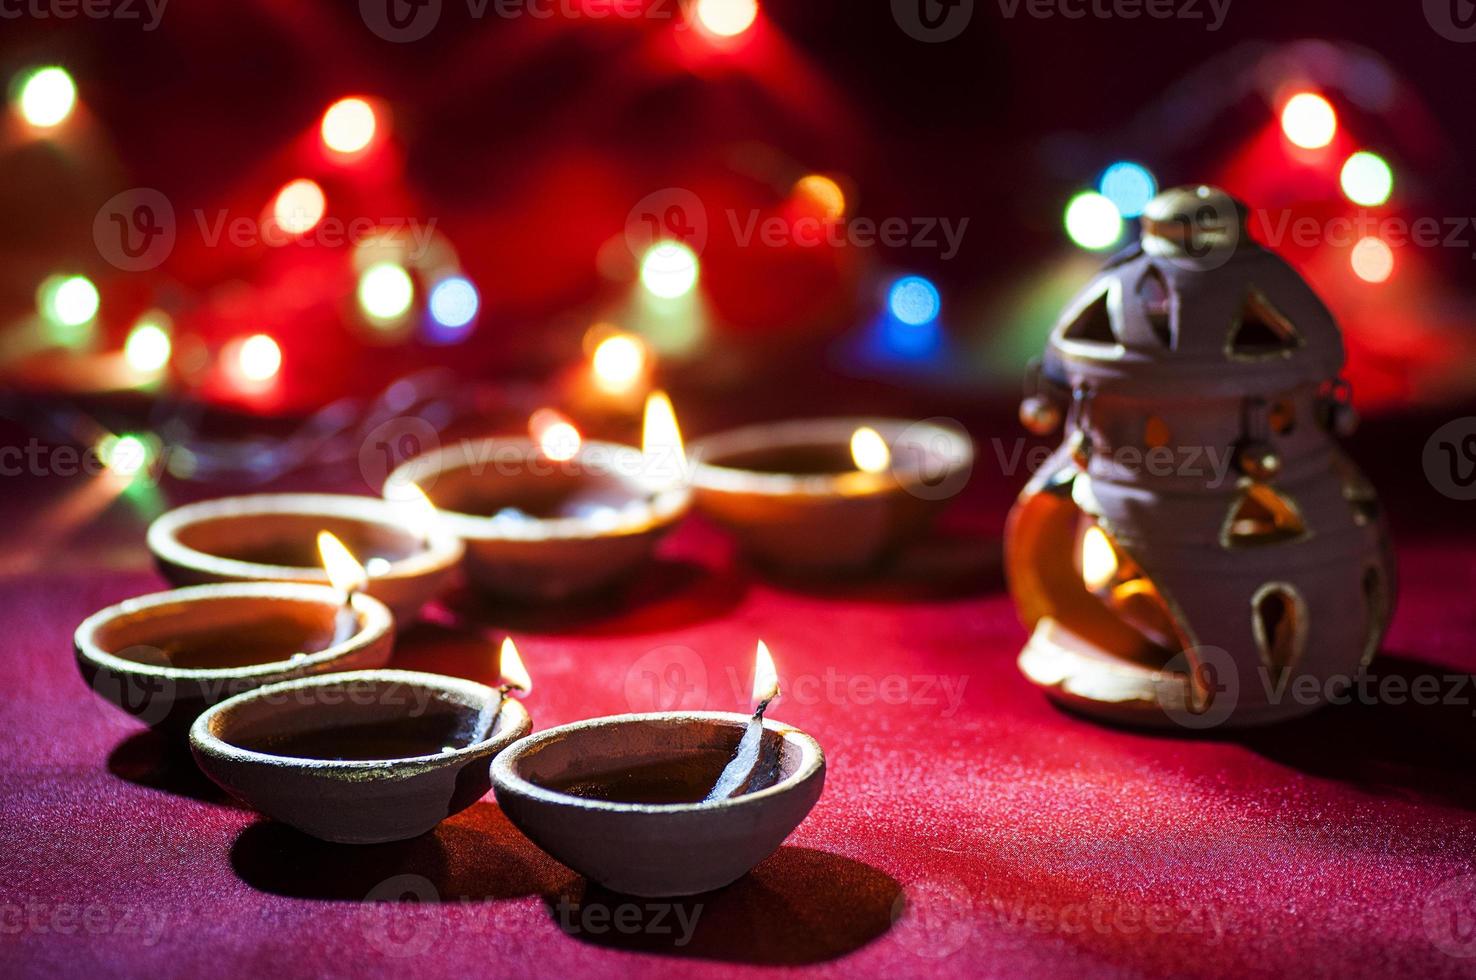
1194	221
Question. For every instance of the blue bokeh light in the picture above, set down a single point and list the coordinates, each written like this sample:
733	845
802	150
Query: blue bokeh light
914	301
1128	185
453	306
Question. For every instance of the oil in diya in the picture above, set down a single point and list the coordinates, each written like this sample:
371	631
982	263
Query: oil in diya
364	757
667	803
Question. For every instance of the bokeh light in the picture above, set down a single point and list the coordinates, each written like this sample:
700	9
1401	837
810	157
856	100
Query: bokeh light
258	358
555	435
1308	120
349	125
68	301
824	193
453	306
124	455
669	269
1093	222
618	362
1129	186
299	206
148	346
47	97
914	301
727	18
385	292
1367	179
1372	259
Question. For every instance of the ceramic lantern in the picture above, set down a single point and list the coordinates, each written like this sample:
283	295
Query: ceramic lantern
1199	546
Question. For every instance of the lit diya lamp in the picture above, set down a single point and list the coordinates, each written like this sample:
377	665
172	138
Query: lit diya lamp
828	495
164	658
551	515
668	803
363	757
270	538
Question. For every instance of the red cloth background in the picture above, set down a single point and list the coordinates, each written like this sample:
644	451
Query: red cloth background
1003	838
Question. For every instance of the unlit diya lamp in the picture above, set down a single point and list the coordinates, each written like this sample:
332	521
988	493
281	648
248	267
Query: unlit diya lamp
552	516
668	803
270	538
1199	544
363	757
164	658
828	495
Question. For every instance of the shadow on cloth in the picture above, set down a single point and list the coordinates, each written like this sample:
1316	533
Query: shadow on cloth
799	906
1389	744
162	761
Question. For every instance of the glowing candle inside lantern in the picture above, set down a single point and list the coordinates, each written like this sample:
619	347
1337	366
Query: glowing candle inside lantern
869	450
1098	559
750	765
347	576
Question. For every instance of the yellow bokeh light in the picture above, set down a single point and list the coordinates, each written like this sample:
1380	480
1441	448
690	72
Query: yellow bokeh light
1372	260
869	451
259	358
825	193
1366	179
68	301
1098	559
1308	120
47	97
669	269
385	292
1092	221
299	206
618	362
148	347
349	125
727	18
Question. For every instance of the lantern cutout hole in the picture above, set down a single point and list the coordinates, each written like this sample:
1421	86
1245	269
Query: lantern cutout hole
1093	325
1076	584
1375	611
1261	331
1157	301
1262	516
1279	622
1282	417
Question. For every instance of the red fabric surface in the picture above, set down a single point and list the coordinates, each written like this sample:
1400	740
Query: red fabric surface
1008	836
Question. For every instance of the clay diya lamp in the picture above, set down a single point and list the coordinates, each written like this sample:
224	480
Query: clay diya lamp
363	757
164	658
551	516
270	538
644	804
828	495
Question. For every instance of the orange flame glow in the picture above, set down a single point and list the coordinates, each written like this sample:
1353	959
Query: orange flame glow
661	438
514	673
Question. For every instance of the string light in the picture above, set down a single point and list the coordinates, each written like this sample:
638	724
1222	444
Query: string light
727	18
349	126
669	269
1372	260
1129	186
385	292
299	206
825	193
148	346
453	306
124	455
259	358
1092	221
47	97
914	301
1366	179
1308	120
